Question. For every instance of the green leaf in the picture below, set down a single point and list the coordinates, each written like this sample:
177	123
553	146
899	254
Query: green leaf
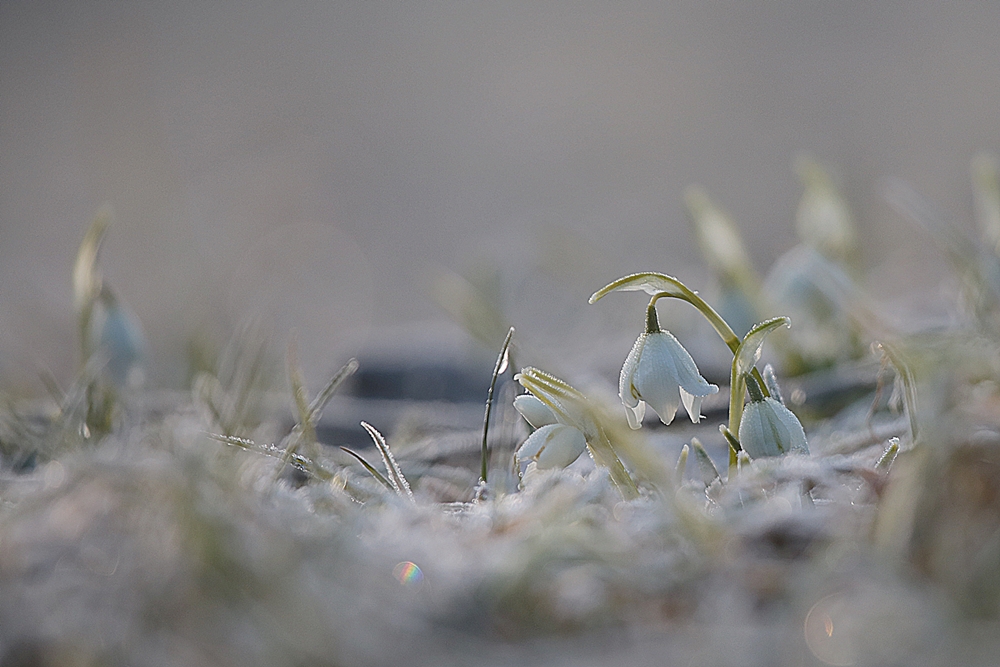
709	473
681	464
86	278
395	478
749	351
565	401
325	394
649	282
370	468
299	395
501	366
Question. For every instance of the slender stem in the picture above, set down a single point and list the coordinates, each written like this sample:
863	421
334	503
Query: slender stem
721	327
737	388
652	324
755	392
489	403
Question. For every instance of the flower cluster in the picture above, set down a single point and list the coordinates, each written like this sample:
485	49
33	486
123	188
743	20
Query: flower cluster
661	373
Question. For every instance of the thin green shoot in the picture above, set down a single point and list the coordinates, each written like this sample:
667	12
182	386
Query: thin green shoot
87	276
297	461
681	464
734	445
709	473
370	468
327	392
309	412
501	366
905	373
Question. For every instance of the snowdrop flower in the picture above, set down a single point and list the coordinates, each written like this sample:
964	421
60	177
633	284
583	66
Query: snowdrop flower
768	428
577	427
115	331
659	371
553	446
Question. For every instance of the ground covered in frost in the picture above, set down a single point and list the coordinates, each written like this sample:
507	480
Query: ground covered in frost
159	545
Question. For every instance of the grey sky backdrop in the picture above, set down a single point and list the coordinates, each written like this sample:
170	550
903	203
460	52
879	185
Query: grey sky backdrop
323	161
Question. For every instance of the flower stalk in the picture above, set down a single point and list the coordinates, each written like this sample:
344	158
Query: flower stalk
746	351
660	285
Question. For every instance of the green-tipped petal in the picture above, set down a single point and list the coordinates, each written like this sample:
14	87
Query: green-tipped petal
692	404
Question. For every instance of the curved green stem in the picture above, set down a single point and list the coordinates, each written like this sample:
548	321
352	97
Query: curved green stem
721	327
727	335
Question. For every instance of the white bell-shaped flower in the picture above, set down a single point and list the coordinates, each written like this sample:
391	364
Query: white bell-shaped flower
660	372
553	446
768	428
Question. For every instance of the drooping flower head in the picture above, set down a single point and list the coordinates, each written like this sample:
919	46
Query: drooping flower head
768	428
660	372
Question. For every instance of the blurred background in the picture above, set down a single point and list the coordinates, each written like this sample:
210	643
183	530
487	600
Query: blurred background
329	167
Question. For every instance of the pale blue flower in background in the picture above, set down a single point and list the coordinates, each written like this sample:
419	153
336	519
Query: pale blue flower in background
115	332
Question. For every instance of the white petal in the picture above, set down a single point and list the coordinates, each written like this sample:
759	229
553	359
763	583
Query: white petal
655	376
796	435
754	438
692	404
635	415
553	445
626	381
686	373
534	411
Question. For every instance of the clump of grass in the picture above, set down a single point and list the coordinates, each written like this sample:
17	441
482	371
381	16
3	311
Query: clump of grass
232	383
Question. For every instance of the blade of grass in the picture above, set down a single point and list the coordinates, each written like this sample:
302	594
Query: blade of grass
370	468
501	365
299	395
395	475
327	392
299	462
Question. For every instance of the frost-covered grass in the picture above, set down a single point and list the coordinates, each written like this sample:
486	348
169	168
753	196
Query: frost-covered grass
193	529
